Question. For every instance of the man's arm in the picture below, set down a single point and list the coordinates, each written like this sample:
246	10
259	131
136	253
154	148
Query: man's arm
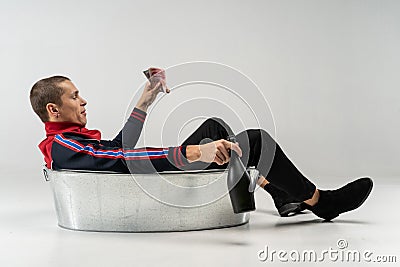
74	152
131	131
71	151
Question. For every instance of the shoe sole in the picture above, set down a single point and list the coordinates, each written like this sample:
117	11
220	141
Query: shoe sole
286	209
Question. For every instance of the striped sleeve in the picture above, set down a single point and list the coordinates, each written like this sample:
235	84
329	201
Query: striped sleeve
72	152
130	133
138	114
133	128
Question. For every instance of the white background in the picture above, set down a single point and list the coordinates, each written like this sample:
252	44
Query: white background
329	69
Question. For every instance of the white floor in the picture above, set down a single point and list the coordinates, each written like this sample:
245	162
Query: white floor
29	235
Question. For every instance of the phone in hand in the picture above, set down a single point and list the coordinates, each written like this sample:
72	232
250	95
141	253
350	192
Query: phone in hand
154	75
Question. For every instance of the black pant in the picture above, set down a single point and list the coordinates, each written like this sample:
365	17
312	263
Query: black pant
259	150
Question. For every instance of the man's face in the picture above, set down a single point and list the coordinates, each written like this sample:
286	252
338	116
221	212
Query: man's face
73	105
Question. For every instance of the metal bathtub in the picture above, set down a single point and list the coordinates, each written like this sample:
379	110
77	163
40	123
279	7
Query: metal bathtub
159	202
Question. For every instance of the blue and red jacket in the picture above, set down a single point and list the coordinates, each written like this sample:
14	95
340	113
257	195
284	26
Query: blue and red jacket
71	146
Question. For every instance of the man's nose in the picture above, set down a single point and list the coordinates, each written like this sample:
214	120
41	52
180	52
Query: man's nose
84	102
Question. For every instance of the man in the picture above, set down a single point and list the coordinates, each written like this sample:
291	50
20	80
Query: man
69	145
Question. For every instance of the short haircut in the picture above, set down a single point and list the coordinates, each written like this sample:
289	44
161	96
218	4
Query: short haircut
44	91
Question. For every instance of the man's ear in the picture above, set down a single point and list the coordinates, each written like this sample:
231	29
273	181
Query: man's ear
52	110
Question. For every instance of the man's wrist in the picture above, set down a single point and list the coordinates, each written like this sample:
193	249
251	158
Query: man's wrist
142	107
193	153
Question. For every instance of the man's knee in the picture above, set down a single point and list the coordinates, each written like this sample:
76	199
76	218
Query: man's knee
219	123
265	134
253	134
215	120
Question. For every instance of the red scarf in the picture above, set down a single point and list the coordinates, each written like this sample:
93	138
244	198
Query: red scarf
53	128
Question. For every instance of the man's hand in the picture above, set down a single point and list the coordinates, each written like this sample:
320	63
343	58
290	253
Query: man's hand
217	151
151	90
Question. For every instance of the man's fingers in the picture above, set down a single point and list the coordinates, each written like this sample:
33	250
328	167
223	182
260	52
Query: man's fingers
238	150
224	153
233	146
218	151
156	87
148	86
222	156
164	85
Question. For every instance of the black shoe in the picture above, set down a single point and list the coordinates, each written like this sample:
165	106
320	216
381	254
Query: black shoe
284	203
331	203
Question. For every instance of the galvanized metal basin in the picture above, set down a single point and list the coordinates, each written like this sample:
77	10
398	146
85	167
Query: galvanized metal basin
159	202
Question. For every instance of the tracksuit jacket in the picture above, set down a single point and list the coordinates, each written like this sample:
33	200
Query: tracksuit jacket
71	146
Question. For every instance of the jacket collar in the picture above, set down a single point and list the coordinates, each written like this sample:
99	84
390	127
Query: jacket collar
53	128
